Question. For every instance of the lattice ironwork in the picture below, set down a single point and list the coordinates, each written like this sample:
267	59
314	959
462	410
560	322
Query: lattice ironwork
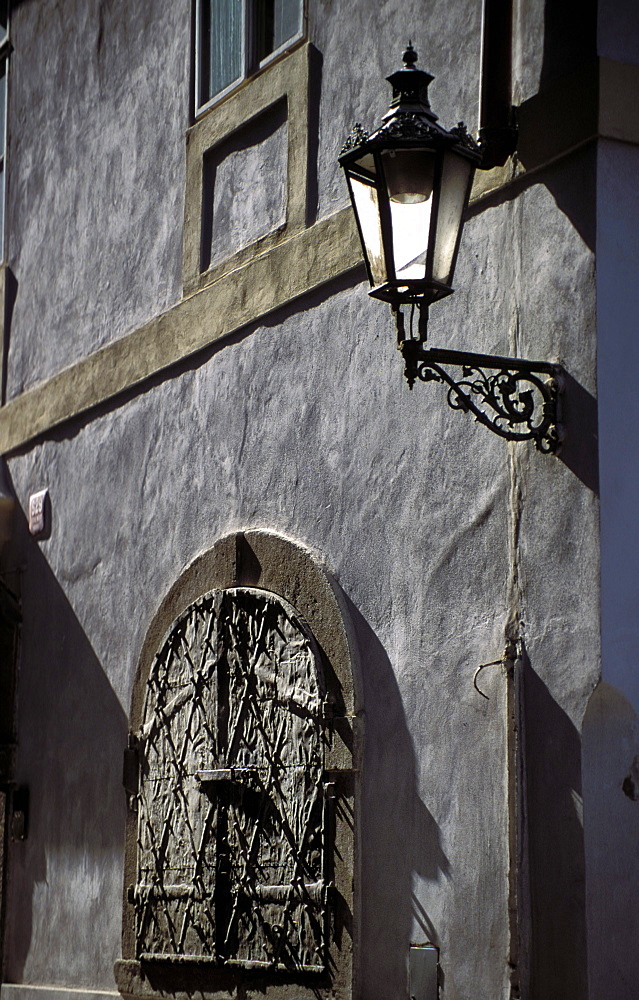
231	827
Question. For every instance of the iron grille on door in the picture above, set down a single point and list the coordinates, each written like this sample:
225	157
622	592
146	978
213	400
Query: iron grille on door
232	812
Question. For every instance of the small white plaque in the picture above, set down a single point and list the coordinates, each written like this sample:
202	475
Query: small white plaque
37	512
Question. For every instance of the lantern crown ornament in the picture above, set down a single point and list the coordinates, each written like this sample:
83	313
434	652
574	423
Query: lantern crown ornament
409	183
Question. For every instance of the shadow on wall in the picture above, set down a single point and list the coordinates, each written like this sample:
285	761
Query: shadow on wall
71	731
570	37
564	111
563	116
10	295
572	185
611	828
580	448
399	837
554	832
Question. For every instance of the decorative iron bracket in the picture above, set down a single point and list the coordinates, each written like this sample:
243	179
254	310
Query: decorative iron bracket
510	396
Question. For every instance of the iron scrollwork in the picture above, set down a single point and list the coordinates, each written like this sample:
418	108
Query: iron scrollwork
510	396
406	125
356	137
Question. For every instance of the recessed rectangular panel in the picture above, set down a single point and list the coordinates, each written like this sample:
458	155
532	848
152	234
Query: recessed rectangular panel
286	80
245	186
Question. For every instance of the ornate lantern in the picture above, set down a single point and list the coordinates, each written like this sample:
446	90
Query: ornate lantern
410	183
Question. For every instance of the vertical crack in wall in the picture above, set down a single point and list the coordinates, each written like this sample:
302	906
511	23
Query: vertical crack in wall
514	652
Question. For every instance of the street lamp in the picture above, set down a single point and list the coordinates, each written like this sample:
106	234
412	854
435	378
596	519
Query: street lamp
410	182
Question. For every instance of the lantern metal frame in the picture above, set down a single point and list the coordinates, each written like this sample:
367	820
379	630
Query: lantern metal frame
410	126
519	401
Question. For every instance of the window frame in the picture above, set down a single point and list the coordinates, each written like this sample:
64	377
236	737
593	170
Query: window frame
250	67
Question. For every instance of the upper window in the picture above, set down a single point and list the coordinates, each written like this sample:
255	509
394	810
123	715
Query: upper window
234	38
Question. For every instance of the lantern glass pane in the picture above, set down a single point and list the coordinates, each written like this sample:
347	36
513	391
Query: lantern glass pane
366	205
456	173
411	225
409	181
366	166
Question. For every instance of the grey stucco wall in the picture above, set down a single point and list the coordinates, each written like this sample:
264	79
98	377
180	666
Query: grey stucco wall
95	206
442	537
99	106
267	434
411	506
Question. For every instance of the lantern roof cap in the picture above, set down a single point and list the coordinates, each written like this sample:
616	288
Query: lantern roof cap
410	85
410	119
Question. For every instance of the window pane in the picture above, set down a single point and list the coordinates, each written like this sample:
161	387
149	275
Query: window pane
275	22
221	29
288	20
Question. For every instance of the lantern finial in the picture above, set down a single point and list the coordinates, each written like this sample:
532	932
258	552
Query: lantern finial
410	56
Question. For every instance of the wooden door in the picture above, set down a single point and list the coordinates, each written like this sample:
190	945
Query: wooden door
231	827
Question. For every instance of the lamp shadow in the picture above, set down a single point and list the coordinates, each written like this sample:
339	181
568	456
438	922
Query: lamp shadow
71	731
579	450
556	955
399	836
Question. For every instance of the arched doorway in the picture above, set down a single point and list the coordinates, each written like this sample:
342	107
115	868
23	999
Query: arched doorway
242	765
